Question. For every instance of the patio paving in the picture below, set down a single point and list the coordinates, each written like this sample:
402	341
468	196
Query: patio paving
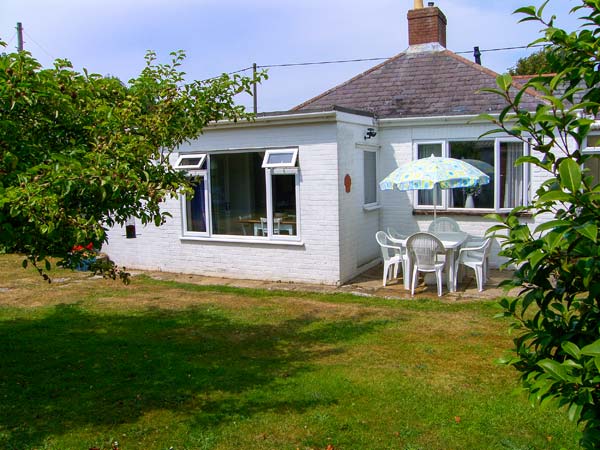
368	284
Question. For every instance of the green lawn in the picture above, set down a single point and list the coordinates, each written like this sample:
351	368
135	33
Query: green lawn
159	364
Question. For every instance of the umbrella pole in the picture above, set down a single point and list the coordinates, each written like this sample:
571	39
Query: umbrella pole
434	201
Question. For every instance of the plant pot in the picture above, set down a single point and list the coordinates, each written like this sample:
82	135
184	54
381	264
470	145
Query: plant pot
469	201
85	264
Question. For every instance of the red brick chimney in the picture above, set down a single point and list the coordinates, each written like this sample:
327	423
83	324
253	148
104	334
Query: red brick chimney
426	25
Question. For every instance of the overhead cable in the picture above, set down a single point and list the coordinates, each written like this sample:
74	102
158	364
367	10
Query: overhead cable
341	61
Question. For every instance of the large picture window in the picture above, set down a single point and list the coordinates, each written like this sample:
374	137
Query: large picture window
238	192
508	186
240	195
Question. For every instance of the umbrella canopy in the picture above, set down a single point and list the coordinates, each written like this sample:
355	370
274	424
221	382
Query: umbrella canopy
427	173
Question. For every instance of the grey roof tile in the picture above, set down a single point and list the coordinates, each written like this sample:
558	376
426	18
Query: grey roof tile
438	83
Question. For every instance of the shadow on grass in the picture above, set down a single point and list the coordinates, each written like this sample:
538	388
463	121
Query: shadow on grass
74	368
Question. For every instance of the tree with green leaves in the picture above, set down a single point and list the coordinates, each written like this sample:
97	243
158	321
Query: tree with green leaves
81	152
534	64
556	315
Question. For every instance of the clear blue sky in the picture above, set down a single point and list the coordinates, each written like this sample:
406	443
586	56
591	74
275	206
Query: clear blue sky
112	36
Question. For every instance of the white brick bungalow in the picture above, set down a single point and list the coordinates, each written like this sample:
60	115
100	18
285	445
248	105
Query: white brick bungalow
312	173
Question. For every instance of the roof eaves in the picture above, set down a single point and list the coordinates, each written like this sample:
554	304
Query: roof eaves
277	118
358	112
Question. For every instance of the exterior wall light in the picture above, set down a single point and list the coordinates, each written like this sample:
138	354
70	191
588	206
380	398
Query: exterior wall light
370	133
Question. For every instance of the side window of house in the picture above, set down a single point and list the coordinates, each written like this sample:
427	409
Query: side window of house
370	177
253	194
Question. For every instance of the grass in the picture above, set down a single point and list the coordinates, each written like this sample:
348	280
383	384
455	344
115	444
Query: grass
159	364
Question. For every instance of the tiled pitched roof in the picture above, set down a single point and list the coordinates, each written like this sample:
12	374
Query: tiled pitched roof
418	84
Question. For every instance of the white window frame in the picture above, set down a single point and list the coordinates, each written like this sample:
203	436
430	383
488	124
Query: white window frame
526	174
269	172
444	194
591	150
493	178
292	163
441	195
184	231
279	169
183	156
374	204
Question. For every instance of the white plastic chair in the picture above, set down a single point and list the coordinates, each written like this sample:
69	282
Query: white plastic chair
475	257
393	256
426	254
442	224
395	235
476	241
399	240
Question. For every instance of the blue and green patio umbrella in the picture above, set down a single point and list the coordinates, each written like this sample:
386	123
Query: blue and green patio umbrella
427	173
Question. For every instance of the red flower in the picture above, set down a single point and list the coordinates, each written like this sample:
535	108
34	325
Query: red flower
84	252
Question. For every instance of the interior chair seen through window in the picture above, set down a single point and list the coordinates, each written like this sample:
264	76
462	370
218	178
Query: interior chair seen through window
243	225
277	225
263	229
427	254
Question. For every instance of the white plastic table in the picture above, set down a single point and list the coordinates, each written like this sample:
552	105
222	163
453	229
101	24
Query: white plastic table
451	240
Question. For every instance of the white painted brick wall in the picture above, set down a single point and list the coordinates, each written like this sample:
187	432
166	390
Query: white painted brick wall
358	227
317	261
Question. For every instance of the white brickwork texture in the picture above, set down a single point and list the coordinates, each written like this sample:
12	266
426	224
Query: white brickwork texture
316	261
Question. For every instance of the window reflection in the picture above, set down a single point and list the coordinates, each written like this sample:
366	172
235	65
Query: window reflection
196	207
